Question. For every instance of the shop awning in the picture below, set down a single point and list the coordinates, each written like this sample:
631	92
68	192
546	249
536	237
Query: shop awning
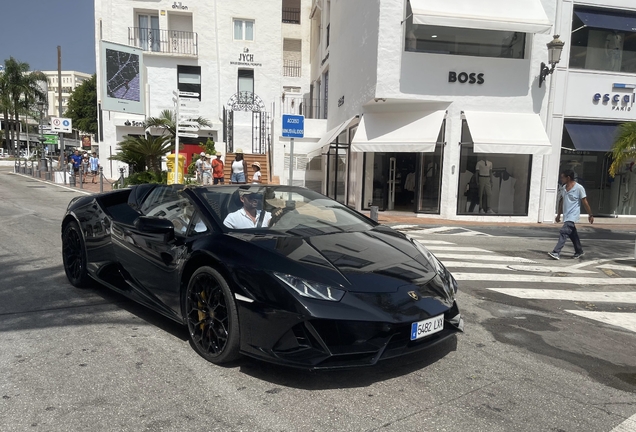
401	132
607	20
526	16
328	138
592	136
509	133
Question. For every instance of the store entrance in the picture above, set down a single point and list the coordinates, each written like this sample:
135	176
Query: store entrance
407	182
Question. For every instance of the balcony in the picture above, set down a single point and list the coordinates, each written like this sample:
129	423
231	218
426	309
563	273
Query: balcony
164	41
310	108
291	15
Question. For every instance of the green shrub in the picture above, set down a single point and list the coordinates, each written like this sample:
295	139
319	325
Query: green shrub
146	177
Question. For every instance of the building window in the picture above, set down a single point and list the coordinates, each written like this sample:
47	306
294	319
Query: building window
291	11
189	79
292	57
326	104
243	30
603	40
246	80
148	32
465	41
492	183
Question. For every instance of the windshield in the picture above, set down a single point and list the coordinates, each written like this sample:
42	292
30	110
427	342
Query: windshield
280	209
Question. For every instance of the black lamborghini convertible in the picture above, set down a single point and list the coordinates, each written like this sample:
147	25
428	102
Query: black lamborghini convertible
279	273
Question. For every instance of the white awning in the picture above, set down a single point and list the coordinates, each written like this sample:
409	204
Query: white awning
328	138
510	133
525	16
411	131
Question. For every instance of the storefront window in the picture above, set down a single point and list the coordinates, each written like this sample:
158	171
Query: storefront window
496	184
463	41
430	181
337	159
603	40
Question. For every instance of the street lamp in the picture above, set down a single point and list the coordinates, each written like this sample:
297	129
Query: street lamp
41	104
555	47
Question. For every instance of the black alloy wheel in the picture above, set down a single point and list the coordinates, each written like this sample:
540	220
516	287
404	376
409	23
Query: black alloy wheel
212	317
74	256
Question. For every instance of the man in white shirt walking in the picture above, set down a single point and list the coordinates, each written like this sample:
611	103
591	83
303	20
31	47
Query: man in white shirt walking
571	196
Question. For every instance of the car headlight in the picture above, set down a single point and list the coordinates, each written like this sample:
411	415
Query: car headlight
310	289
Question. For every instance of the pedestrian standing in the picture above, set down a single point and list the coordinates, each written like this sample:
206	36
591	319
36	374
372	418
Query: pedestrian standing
218	169
571	196
85	165
256	178
94	165
199	172
239	168
206	170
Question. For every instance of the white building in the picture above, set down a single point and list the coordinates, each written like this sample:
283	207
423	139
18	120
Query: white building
593	92
245	59
423	95
70	81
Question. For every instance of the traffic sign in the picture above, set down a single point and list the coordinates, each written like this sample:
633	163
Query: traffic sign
293	126
60	124
189	103
51	139
188	94
188	135
189	123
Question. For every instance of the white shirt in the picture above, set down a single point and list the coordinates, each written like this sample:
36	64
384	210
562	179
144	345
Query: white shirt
256	178
484	167
240	220
237	167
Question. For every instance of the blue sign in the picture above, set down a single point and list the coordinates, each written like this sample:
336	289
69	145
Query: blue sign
293	126
66	123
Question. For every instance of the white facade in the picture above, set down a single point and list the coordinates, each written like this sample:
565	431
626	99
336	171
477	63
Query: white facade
372	73
585	92
223	39
70	81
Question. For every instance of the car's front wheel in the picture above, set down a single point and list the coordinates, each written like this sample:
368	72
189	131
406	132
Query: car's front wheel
212	317
74	256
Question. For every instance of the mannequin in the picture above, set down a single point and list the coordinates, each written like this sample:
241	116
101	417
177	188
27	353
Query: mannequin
614	50
483	170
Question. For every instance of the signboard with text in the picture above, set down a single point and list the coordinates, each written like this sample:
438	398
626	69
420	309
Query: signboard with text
293	126
60	124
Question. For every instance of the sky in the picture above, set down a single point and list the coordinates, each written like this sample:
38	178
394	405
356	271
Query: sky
35	28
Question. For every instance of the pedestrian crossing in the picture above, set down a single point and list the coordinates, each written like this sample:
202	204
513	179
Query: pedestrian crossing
446	230
591	282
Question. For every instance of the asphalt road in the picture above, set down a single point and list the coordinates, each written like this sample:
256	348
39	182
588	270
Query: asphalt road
92	360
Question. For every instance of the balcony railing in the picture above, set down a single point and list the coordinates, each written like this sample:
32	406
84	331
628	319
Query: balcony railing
164	41
292	68
291	15
310	108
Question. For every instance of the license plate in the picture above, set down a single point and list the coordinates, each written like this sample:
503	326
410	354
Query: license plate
427	327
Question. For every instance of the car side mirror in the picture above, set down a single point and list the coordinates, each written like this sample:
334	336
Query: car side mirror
155	225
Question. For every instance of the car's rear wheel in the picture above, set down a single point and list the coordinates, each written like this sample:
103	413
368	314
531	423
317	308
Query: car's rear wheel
74	256
212	317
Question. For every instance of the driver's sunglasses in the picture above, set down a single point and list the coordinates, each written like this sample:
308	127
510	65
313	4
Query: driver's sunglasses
253	197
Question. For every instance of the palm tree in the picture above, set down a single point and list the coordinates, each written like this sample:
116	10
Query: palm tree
167	120
20	91
144	151
6	108
624	148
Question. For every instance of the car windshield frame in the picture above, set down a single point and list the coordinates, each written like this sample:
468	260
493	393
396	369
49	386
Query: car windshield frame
217	201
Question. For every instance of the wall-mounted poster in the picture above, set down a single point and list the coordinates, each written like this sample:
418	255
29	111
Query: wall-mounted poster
122	81
86	142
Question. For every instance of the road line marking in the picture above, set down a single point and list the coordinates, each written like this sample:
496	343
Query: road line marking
599	261
617	267
624	320
472	233
581	296
628	425
434	248
515	267
52	184
493	257
435	230
404	227
569	280
433	242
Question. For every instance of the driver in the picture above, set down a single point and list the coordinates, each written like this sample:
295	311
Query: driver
248	216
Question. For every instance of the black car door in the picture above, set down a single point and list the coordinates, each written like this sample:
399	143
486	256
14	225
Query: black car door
153	260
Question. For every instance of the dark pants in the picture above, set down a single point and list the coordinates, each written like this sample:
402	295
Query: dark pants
568	230
218	180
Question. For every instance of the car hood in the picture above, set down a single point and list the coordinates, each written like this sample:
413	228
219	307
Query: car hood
379	260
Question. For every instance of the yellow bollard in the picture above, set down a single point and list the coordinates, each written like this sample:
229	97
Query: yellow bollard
170	164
